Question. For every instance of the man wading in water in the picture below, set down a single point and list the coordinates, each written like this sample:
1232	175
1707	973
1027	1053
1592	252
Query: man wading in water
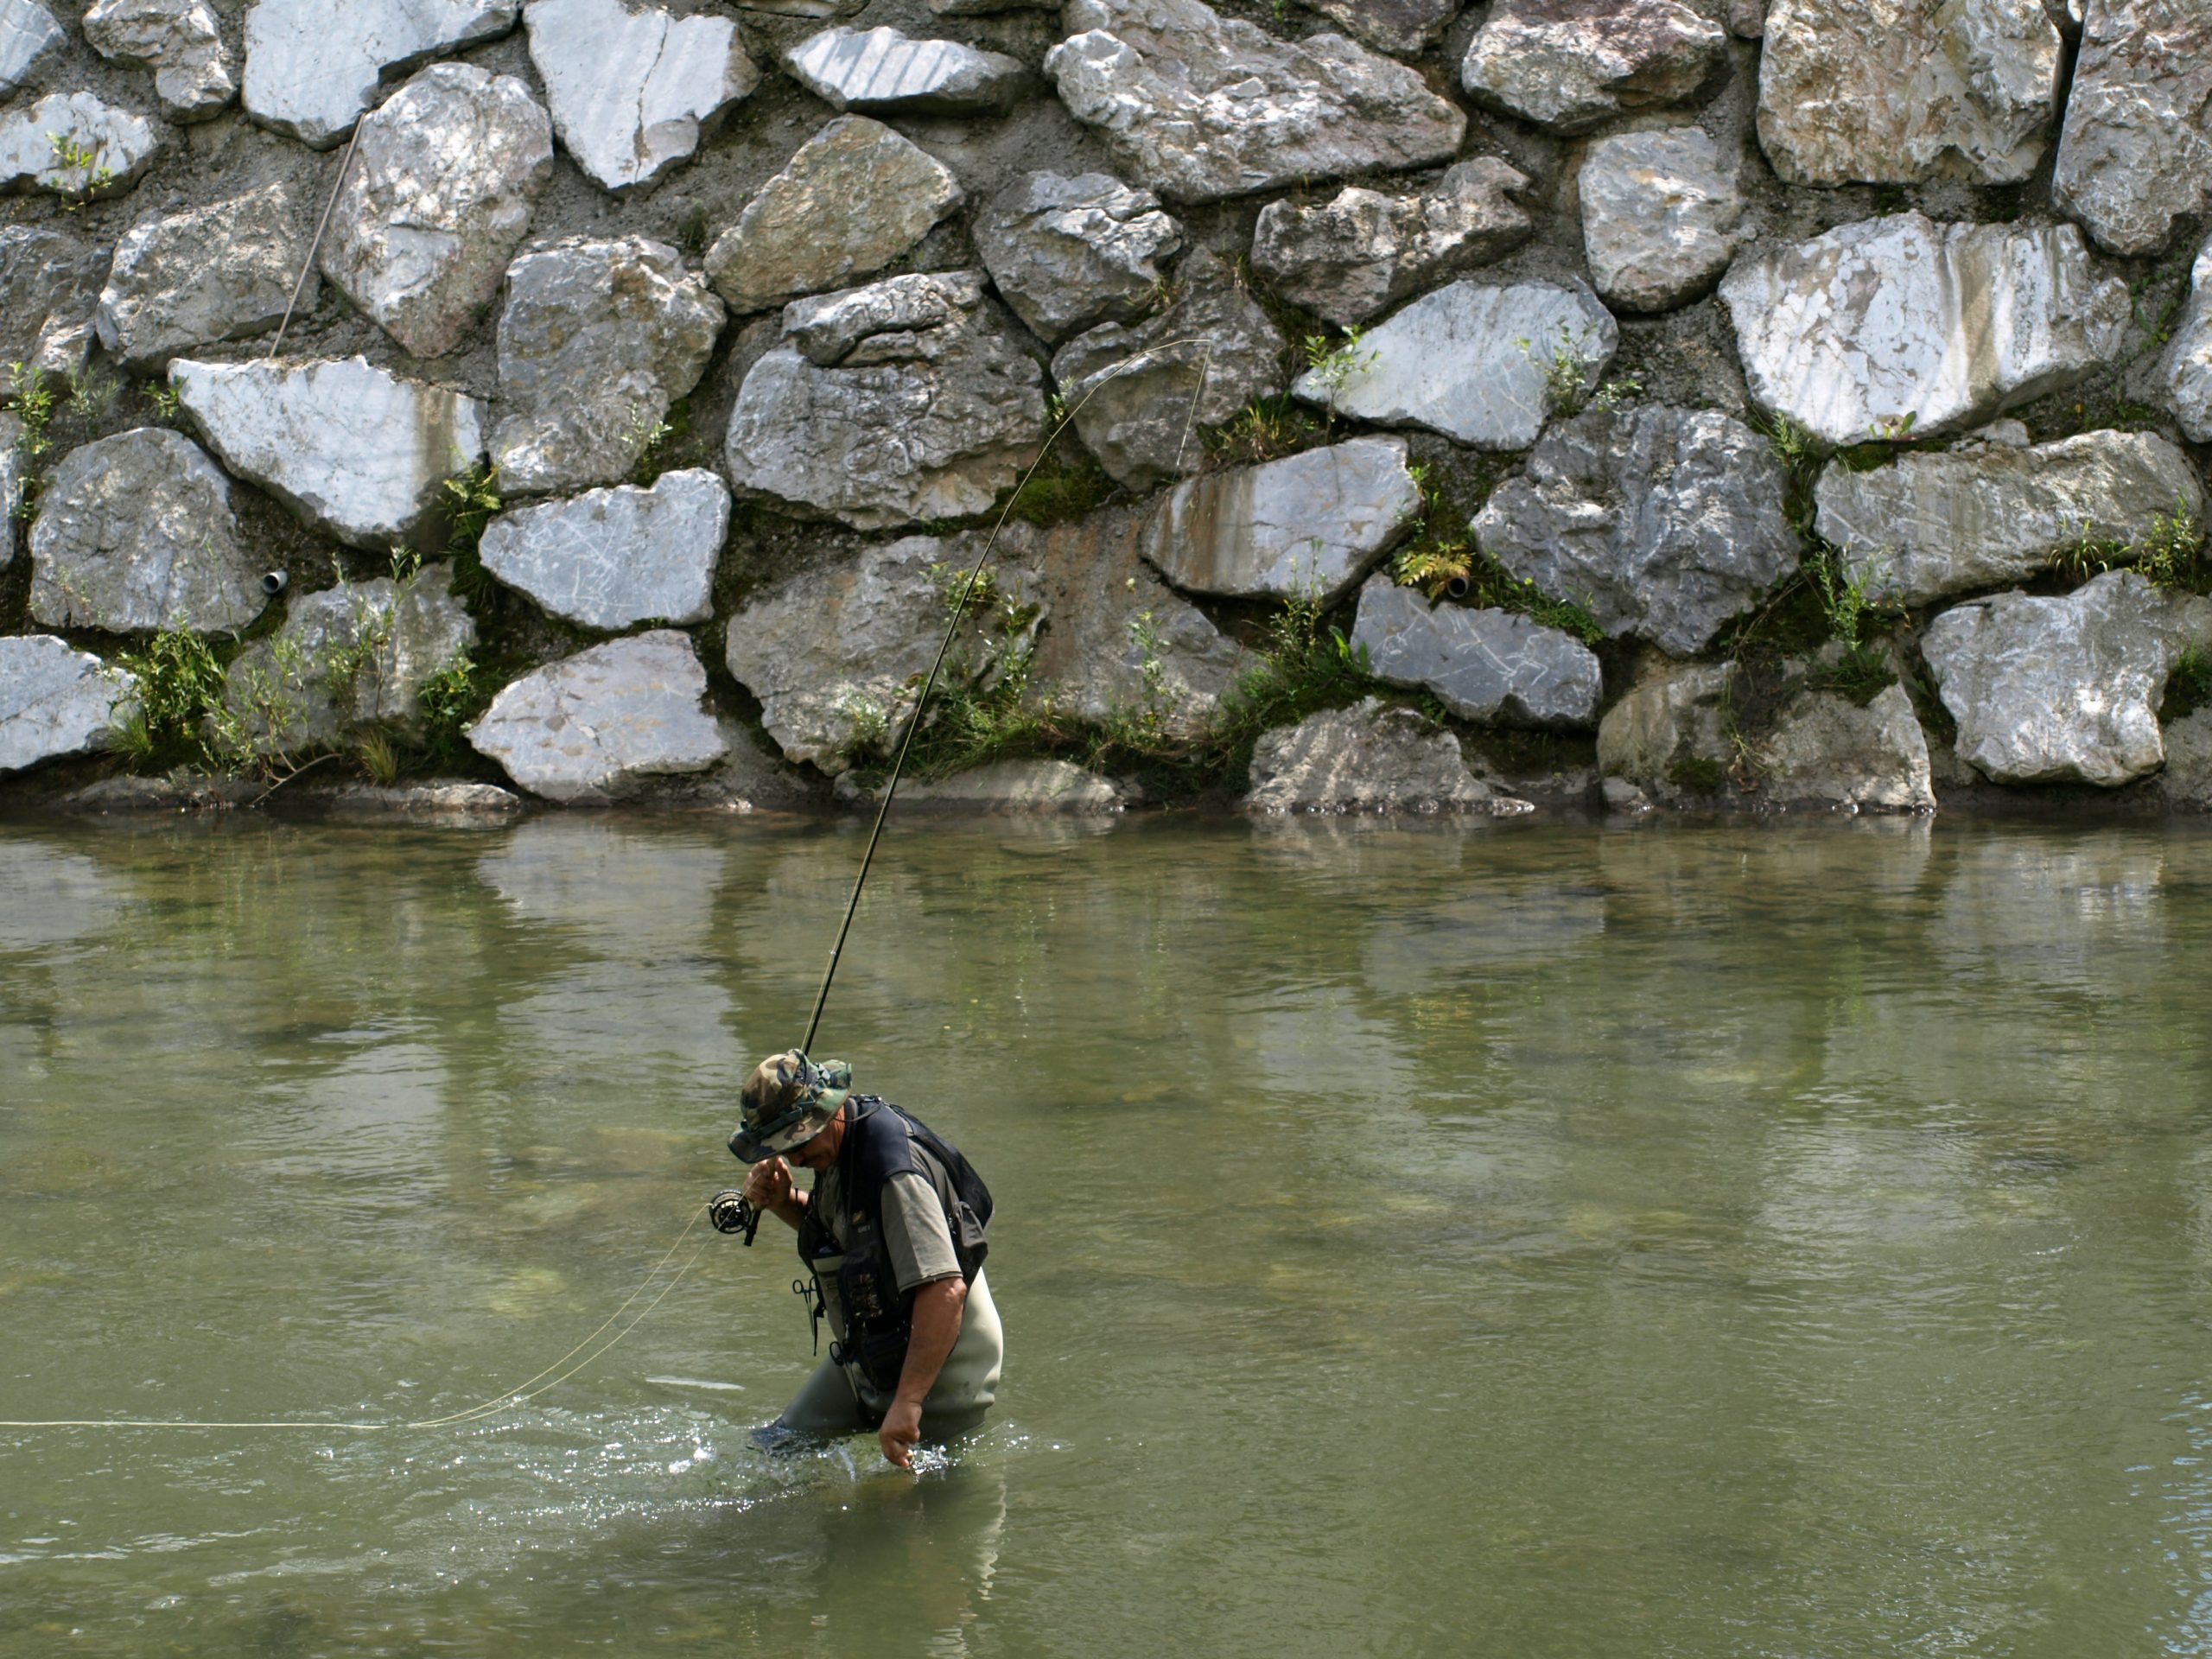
892	1241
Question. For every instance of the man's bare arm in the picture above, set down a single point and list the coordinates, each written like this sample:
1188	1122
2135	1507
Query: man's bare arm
938	1309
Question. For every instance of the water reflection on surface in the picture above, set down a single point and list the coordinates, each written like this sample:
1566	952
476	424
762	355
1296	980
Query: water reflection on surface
1427	1239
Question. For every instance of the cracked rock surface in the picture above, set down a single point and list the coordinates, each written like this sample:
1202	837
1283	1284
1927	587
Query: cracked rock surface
904	400
179	39
613	558
312	67
1364	759
135	533
2135	154
598	339
348	446
2188	366
1068	254
1201	107
214	273
604	723
1660	212
56	701
1901	326
73	144
1490	665
49	290
1570	65
28	35
632	89
854	198
445	176
1346	259
884	71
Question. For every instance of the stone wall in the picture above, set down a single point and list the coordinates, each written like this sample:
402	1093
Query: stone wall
1800	407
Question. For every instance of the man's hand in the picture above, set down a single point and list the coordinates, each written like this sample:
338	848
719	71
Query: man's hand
902	1427
768	1186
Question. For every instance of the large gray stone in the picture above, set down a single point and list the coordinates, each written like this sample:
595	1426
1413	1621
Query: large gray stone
1935	523
214	273
598	339
1470	360
2063	689
881	70
445	176
350	448
2135	152
612	558
1069	254
49	289
136	532
854	197
1668	735
1138	392
2187	780
312	66
1901	90
28	35
348	658
56	700
1660	212
1898	325
1400	26
606	722
633	91
1346	259
1308	525
14	466
1571	65
1487	666
72	144
180	41
904	400
2188	366
1364	759
1825	750
836	655
1664	522
1016	788
1201	107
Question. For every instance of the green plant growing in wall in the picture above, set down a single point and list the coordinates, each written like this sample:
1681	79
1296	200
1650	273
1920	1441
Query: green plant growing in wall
164	395
29	397
1332	364
1567	364
73	156
93	393
180	682
1847	595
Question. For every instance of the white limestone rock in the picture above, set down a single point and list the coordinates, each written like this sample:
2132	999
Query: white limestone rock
72	144
56	701
1660	217
2188	366
1935	523
854	198
179	39
903	400
49	290
598	339
14	466
1346	259
1665	521
350	448
1903	91
1469	361
1310	524
1825	750
1488	665
135	532
1364	759
1900	327
2063	689
836	655
604	723
633	91
1137	393
445	176
1202	107
1070	253
215	273
613	558
1402	27
348	658
1571	66
312	67
884	71
27	36
2135	155
1015	788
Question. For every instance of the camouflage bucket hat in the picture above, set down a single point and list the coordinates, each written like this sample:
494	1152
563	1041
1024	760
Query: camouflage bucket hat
785	1103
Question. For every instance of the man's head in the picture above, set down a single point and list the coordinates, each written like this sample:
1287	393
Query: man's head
787	1102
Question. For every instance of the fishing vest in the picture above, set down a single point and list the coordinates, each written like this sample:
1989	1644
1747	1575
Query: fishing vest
881	1141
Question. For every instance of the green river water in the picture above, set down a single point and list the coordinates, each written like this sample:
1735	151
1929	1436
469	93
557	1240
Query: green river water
1512	1240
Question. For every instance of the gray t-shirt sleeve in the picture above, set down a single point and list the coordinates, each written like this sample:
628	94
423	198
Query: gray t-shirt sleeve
914	1232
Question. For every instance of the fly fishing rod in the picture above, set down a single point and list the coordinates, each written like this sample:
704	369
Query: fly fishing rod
730	1210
